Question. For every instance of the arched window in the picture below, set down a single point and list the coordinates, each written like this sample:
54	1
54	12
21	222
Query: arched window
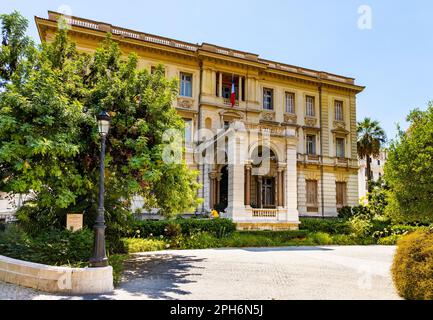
208	123
263	184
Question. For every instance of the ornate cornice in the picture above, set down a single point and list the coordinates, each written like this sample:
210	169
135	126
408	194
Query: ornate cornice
216	53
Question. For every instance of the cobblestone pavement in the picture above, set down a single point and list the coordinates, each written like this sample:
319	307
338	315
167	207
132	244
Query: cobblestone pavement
346	272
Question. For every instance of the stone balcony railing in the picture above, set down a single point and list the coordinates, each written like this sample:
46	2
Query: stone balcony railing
228	102
341	162
308	158
127	33
264	213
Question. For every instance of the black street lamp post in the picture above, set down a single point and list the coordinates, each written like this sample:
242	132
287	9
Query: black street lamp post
99	258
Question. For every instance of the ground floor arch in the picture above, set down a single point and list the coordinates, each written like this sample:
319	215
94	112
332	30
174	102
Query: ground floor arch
263	179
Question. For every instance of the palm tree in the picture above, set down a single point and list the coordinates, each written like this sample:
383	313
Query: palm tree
371	138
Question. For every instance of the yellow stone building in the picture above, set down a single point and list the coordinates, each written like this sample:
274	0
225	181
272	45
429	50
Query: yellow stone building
299	124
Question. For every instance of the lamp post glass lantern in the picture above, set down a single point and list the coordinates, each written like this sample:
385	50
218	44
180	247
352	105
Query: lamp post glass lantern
99	258
103	123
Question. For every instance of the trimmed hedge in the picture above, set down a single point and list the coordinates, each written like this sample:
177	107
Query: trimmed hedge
217	227
53	247
412	269
328	225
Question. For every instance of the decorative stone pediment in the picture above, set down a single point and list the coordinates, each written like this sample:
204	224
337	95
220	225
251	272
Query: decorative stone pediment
310	121
268	116
185	103
339	128
339	125
231	116
312	175
341	177
290	118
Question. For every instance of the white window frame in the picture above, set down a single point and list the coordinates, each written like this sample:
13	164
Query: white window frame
268	105
312	143
310	109
183	88
338	152
188	140
339	110
290	103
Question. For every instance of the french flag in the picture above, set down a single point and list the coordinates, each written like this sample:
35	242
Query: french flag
233	95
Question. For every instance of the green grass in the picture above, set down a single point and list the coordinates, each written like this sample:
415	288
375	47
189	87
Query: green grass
243	239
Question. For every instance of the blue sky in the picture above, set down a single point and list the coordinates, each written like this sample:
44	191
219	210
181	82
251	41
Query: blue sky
393	59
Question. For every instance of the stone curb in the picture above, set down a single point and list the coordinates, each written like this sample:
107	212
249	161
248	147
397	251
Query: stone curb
54	279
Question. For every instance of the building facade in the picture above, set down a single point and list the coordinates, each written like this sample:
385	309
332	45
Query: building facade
377	166
8	206
299	124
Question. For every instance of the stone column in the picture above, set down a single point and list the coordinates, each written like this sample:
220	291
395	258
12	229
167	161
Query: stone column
237	152
291	183
217	187
214	83
206	89
220	84
280	179
206	188
248	185
252	91
212	191
259	191
240	88
246	89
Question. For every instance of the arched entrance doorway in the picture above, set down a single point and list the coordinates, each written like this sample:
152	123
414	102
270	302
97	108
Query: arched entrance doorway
223	189
219	185
263	180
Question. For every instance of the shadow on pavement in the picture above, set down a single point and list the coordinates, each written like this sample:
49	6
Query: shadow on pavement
154	276
276	249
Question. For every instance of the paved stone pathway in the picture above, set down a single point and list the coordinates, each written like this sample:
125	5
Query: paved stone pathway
329	272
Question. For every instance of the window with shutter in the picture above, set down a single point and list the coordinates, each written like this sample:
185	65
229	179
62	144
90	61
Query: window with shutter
341	194
311	193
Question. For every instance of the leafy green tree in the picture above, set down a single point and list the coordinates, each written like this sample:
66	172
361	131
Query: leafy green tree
409	170
49	144
371	138
377	197
15	45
